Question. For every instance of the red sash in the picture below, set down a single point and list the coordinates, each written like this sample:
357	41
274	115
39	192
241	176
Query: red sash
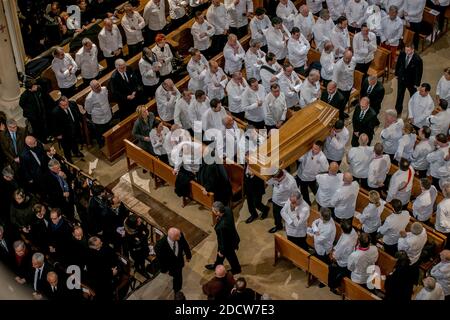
409	179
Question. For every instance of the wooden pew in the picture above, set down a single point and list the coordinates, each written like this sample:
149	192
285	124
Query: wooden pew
354	291
235	174
380	65
356	90
290	251
317	270
386	264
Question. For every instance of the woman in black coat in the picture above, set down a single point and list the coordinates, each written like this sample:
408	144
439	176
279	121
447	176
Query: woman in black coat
400	282
142	127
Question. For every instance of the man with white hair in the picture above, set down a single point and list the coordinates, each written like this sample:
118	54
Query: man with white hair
110	42
181	114
86	59
40	270
64	68
133	23
344	198
290	83
155	19
234	55
252	103
253	60
287	11
359	158
412	242
295	214
392	132
327	184
235	88
124	88
441	272
166	97
310	88
305	21
275	108
440	122
298	47
431	290
343	74
322	29
442	223
323	230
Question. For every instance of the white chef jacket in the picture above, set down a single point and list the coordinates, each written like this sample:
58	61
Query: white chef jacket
371	217
391	135
197	110
359	261
249	102
296	220
155	15
437	162
305	24
443	216
309	92
324	238
359	159
340	39
136	21
109	41
443	89
213	119
236	12
397	189
218	17
336	8
441	272
258	29
191	160
413	244
322	31
234	92
364	51
275	109
276	41
406	147
287	13
424	203
197	73
181	113
172	139
400	4
214	81
287	86
97	105
419	108
282	190
335	145
298	51
344	200
420	153
87	62
356	12
311	165
233	61
439	122
165	102
202	42
391	30
414	9
343	74
327	186
344	247
166	56
327	63
158	141
392	226
314	5
378	169
148	75
64	77
177	8
266	76
436	294
253	62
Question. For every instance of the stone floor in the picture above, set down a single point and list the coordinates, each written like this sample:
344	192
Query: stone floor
256	251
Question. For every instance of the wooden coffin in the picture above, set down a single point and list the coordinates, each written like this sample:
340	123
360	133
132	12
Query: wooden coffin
295	138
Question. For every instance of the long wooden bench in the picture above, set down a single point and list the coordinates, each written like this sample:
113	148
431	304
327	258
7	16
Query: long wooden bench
354	291
290	251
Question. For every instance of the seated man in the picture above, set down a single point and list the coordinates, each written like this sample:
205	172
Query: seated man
324	231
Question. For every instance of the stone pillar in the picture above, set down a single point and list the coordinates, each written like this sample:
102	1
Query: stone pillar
9	82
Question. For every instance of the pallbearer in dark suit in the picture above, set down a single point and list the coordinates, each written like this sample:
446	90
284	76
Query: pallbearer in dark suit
170	251
227	238
254	190
364	121
408	71
12	142
333	97
374	90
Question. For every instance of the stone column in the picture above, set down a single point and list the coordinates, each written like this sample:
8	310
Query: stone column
9	82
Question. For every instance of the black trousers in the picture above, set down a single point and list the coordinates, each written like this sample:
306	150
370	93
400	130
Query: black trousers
239	115
175	23
346	95
134	49
232	260
257	125
110	61
69	146
362	182
304	188
363	67
401	89
335	275
390	249
239	32
99	130
299	241
416	27
217	44
177	275
277	216
254	201
435	182
68	92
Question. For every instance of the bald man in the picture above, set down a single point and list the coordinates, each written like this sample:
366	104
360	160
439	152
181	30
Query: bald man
344	198
55	291
219	288
170	251
33	161
328	184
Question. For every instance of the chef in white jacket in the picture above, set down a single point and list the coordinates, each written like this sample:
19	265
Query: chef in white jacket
340	36
157	138
371	216
441	272
155	15
401	183
336	8
287	11
443	213
252	103
378	168
86	59
238	12
443	86
234	55
133	23
392	132
176	136
166	96
202	31
344	199
322	29
423	205
361	259
400	4
235	88
110	42
216	81
198	107
212	119
327	184
298	47
343	74
295	214
275	108
323	230
392	31
406	144
277	37
412	242
181	115
355	11
359	158
327	61
431	290
64	68
437	160
164	55
259	24
364	46
290	84
421	151
217	15
420	106
336	141
440	122
253	60
310	88
270	71
305	21
197	69
393	224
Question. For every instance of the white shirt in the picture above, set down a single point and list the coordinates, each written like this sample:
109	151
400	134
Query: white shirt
406	147
439	122
336	8
400	187
177	8
287	13
443	89
391	135
197	73
165	102
295	220
436	294
298	51
420	153
267	76
64	77
213	119
164	58
413	245
364	51
233	59
324	236
327	186
420	108
202	42
215	84
327	62
181	113
378	170
276	41
133	27
148	75
392	226
275	109
197	110
391	30
290	85
443	216
258	29
424	203
305	24
187	154
322	31
237	12
335	145
314	5
155	15
253	62
343	74
97	105
109	41
359	159
344	247
359	261
441	272
309	92
311	165
344	200
219	18
371	217
172	139
414	9
400	4
355	12
438	166
234	92
87	62
283	189
340	39
158	141
250	103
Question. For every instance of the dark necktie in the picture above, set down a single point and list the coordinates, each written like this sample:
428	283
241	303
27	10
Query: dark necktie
408	59
329	98
124	76
362	114
14	140
369	90
174	248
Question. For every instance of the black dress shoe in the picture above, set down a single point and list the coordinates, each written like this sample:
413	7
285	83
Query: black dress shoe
210	266
274	229
265	213
250	219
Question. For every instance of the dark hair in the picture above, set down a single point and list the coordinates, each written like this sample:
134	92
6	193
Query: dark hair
260	11
274	86
325	213
364	240
214	102
319	143
339	124
241	284
404	164
425	183
427	86
443	104
364	25
270	56
199	94
97	190
57	211
378	148
397	205
341	19
251	81
426	131
198	14
442	138
402	259
276	20
295	30
29	83
346	226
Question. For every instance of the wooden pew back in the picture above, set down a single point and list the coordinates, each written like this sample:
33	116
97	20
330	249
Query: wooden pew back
290	251
353	291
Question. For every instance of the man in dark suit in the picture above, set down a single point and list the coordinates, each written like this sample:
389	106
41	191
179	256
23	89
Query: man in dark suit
227	238
254	189
334	98
39	271
124	89
374	90
55	290
33	162
67	127
408	70
170	251
364	121
12	142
